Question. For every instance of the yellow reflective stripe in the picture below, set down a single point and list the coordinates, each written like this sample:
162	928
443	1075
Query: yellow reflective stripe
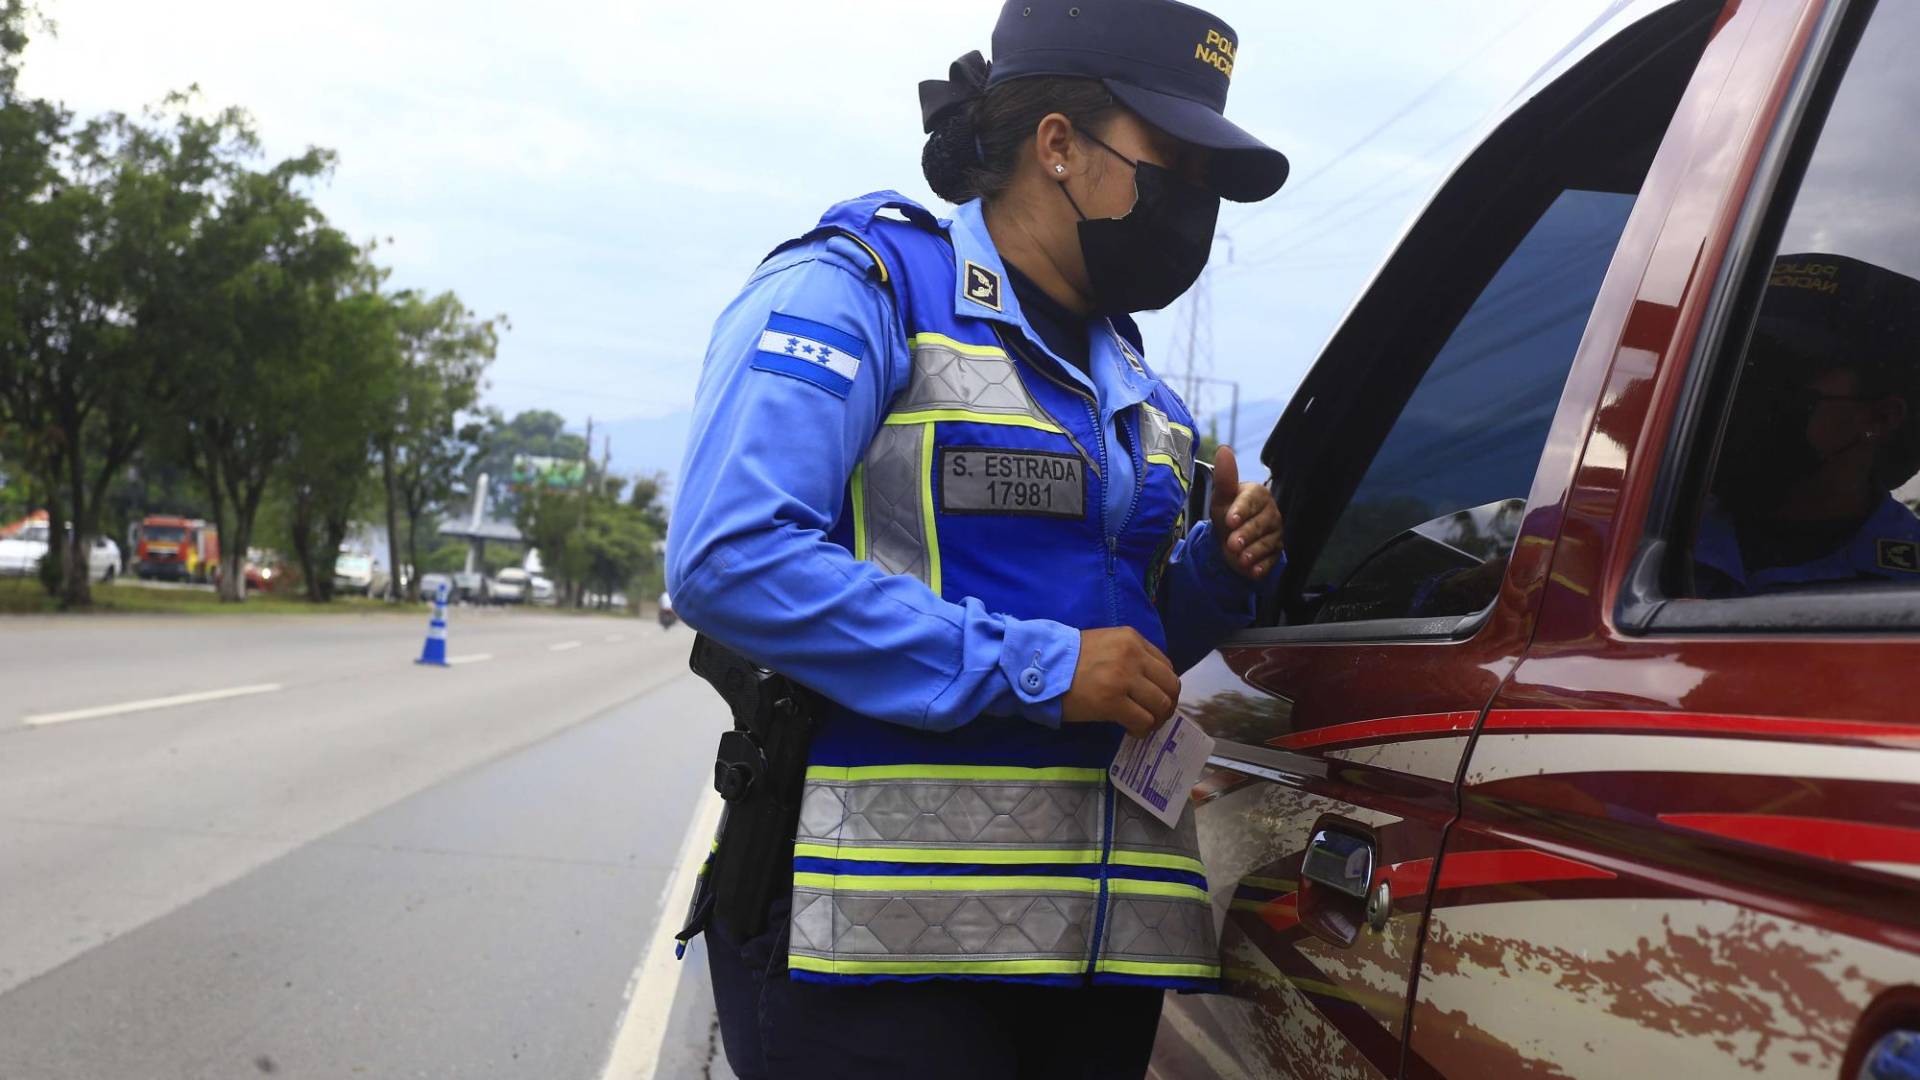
889	883
1130	887
899	883
952	772
1154	858
1275	883
1177	426
961	347
859	488
935	967
1167	460
989	856
995	856
1149	967
928	525
931	416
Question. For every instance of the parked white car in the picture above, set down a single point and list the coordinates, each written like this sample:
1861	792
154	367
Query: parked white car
541	590
510	586
104	561
353	574
21	553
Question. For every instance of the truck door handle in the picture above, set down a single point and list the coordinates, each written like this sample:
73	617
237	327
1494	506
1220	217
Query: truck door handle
1340	860
1337	889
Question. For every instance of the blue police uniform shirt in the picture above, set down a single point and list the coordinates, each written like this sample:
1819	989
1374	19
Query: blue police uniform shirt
1885	548
765	476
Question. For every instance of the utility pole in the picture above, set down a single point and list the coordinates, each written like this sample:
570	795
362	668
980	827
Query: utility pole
578	588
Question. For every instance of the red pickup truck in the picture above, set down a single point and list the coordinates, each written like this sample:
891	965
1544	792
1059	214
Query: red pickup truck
1581	739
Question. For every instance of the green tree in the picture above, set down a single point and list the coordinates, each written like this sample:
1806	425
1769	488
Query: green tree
90	293
424	446
269	273
534	433
328	476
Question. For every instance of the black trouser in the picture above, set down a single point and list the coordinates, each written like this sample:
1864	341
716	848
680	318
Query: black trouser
777	1029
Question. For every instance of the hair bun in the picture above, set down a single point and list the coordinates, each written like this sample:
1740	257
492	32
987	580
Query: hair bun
951	156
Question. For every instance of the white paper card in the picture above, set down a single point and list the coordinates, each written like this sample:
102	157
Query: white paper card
1159	771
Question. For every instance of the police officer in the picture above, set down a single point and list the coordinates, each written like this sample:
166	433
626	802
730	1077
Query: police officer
933	478
1820	432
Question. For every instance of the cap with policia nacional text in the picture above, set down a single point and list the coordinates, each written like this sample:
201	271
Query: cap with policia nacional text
1166	61
1842	308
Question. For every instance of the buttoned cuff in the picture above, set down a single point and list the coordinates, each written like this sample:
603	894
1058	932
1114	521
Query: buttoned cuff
1038	658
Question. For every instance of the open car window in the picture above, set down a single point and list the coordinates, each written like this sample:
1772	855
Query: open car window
1429	410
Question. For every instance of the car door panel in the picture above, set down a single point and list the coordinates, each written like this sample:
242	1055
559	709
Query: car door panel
1369	724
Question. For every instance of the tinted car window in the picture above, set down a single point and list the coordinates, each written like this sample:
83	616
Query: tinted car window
1470	436
1813	482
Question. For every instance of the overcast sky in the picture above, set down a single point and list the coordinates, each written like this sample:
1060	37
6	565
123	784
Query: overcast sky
606	172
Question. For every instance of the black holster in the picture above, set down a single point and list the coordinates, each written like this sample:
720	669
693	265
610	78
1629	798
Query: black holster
760	771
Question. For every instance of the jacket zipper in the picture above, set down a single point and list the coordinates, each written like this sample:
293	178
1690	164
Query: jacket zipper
1113	606
1040	367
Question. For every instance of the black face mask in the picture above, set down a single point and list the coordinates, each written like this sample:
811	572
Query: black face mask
1767	452
1144	261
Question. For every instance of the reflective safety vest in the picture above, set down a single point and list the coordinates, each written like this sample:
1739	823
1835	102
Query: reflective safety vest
1887	548
998	850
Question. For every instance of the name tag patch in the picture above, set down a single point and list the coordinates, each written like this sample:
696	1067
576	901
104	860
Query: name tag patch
1022	483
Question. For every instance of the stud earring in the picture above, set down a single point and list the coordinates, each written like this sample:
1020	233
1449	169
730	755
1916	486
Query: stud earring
1059	168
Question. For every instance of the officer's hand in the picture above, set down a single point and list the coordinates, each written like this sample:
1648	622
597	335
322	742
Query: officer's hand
1245	519
1121	679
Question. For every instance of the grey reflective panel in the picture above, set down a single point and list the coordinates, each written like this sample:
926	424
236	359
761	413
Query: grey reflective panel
913	813
943	378
1136	829
1152	929
896	533
1159	436
853	927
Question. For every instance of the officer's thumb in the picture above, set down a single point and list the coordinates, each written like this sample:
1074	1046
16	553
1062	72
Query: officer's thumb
1226	483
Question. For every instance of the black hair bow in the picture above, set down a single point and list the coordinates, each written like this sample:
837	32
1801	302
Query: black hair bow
966	81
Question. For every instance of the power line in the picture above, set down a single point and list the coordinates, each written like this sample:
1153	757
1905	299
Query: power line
1330	219
1534	9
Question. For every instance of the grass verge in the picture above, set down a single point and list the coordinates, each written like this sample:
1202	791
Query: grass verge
24	596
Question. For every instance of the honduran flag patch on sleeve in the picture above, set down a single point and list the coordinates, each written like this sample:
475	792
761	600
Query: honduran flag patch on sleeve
810	351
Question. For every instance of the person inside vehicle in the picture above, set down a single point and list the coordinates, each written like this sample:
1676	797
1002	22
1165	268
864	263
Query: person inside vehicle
1822	431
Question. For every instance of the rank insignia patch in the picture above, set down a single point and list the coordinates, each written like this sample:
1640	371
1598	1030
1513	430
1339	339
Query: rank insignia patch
983	286
1902	555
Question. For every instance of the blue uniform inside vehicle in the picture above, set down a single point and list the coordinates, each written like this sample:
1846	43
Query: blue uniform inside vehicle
1820	433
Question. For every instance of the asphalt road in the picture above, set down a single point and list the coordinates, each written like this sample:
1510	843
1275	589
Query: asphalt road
353	866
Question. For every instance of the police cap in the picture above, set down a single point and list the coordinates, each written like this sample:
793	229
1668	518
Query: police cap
1841	310
1168	62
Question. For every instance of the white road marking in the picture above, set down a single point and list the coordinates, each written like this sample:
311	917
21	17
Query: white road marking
643	1029
43	719
616	637
563	646
470	658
